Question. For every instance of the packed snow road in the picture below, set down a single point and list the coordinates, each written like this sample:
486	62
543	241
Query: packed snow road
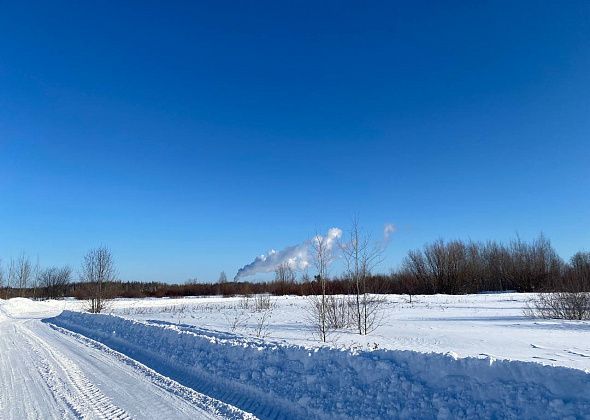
45	374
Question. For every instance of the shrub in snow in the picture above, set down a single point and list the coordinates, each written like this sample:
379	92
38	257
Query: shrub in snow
560	305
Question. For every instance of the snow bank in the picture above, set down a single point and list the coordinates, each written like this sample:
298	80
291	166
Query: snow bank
26	308
2	314
287	381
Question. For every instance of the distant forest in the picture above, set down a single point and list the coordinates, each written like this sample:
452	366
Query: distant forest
446	267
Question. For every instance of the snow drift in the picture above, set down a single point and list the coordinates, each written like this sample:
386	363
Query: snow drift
286	381
26	308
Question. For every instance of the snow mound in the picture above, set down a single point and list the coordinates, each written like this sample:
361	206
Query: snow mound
26	308
288	381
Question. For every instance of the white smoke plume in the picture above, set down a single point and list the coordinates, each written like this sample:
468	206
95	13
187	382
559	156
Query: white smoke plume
296	256
388	229
330	239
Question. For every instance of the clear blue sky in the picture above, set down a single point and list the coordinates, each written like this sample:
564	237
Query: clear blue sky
192	136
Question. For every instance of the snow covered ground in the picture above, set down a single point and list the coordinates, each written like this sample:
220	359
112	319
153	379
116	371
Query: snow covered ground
466	357
490	325
45	374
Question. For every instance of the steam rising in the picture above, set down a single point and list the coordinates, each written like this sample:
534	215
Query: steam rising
297	256
387	231
330	239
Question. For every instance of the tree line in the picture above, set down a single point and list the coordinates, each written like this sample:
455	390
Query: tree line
22	278
447	267
459	267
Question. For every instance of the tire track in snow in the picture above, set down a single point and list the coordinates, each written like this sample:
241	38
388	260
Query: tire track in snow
86	400
55	384
187	394
12	379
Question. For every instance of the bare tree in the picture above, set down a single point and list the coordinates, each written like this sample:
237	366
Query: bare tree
23	271
284	274
221	283
98	270
35	278
456	266
237	318
571	298
408	281
579	271
535	266
54	281
305	278
222	278
191	281
2	280
338	311
361	257
322	257
10	278
262	302
261	324
262	309
560	305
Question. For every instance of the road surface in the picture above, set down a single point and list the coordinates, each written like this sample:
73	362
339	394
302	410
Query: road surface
46	374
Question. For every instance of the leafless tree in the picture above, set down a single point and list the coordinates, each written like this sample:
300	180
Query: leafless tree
54	281
222	278
414	269
410	284
221	283
2	280
237	318
284	274
284	279
579	271
361	257
262	310
535	266
10	278
35	279
339	311
263	302
305	278
22	273
456	266
191	281
98	271
571	298
322	257
261	324
560	305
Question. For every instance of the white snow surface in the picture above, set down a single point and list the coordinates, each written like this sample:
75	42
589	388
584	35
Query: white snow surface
483	325
442	356
46	374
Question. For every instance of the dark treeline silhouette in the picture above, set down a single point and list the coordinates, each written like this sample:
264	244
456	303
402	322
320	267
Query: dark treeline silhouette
453	267
457	267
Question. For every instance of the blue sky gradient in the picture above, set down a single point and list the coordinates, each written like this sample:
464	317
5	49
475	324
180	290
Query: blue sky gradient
191	137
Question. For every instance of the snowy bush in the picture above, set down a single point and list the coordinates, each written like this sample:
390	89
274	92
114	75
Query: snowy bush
560	305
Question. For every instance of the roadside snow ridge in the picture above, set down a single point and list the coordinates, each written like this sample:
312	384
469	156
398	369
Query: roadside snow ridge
287	381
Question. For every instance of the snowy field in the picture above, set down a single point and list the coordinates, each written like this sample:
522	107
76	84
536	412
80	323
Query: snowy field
463	357
490	325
